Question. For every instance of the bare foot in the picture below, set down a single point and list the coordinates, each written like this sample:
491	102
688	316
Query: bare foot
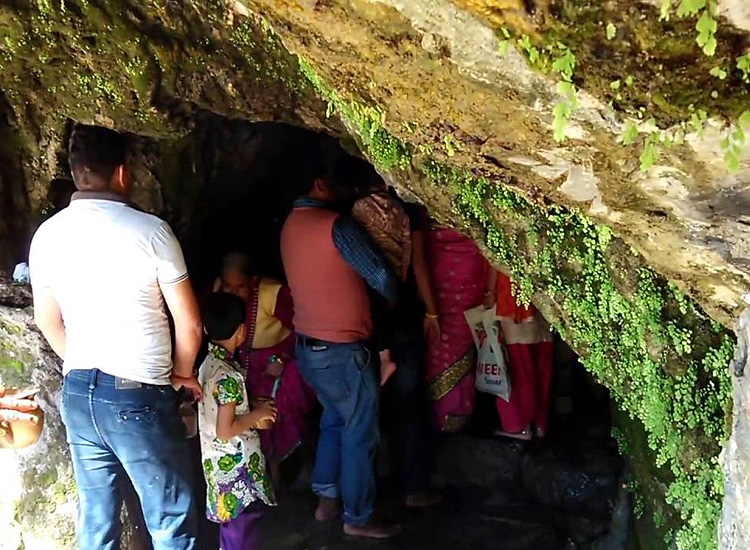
424	499
328	509
372	530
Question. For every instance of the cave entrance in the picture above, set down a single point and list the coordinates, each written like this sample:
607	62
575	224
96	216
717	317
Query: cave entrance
238	181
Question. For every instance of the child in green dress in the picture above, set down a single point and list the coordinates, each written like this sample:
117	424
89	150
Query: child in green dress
238	485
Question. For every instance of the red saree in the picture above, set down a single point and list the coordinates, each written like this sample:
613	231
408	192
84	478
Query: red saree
530	356
459	272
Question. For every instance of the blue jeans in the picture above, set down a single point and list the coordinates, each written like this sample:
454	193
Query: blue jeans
114	433
344	379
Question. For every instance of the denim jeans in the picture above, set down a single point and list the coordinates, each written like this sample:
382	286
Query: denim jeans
114	433
343	377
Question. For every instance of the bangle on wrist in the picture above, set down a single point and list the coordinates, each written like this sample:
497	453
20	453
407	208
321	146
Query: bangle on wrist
433	316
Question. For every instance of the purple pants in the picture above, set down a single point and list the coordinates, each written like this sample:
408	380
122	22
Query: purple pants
241	533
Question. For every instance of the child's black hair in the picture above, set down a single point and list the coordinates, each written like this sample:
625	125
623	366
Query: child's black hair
223	313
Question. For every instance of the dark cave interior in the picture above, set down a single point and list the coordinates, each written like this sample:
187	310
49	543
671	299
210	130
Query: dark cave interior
228	185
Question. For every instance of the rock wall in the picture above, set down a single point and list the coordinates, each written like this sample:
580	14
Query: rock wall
458	103
37	503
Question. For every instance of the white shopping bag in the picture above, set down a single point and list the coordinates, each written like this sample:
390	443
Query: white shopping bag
492	365
21	274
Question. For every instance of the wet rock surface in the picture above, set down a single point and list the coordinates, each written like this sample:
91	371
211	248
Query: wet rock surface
489	504
734	530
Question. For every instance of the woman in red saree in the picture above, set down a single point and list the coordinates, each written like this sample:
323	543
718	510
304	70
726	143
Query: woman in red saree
459	273
268	356
530	356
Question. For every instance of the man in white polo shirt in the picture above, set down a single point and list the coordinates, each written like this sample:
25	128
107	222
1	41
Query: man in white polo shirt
102	272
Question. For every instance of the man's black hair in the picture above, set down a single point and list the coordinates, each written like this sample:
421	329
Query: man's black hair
94	153
353	177
313	168
223	313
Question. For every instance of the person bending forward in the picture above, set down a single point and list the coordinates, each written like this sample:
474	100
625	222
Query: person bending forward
329	260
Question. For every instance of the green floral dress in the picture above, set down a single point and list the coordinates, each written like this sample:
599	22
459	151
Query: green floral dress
235	470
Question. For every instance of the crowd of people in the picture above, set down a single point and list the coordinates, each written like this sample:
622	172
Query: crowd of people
368	331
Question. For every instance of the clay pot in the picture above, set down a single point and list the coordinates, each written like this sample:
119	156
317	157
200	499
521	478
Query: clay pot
24	434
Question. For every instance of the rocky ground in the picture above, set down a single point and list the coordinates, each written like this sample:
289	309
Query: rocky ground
501	495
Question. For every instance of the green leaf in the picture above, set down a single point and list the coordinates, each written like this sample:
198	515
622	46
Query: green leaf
611	31
629	80
630	133
697	119
561	112
666	9
709	48
690	7
738	135
502	47
706	27
744	119
718	72
743	64
565	64
650	153
533	55
565	88
706	23
733	163
615	85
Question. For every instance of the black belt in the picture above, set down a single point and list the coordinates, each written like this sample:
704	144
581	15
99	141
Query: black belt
308	342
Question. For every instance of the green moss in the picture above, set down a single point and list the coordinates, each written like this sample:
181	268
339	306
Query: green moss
673	72
662	358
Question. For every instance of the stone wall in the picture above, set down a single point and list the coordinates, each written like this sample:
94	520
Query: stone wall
37	503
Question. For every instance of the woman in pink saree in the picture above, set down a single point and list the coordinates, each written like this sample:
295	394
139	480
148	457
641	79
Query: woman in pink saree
459	273
268	356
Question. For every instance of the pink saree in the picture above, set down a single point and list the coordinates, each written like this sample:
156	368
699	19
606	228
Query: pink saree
459	271
294	399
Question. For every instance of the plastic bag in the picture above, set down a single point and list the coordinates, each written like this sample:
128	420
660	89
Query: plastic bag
21	274
492	365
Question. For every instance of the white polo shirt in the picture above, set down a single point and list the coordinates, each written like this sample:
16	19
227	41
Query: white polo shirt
105	261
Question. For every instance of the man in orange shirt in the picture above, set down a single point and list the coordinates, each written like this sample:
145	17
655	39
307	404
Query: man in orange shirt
329	262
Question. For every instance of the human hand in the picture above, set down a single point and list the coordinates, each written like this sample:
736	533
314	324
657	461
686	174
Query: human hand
432	327
264	412
490	299
191	385
21	421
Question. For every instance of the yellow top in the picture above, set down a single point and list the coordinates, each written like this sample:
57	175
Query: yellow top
269	331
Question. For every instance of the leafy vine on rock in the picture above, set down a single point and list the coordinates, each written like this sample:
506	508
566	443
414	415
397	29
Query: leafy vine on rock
541	50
